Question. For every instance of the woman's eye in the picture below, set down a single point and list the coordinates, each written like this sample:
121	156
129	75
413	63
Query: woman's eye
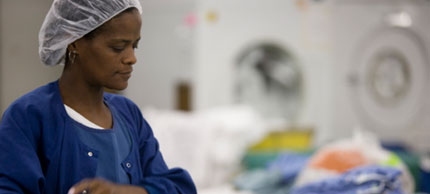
117	49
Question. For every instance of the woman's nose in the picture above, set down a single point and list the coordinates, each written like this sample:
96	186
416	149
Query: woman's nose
130	58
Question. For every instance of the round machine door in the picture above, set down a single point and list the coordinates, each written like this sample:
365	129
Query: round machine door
390	76
269	79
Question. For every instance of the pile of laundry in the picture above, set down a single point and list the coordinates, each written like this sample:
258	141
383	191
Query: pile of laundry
214	146
353	165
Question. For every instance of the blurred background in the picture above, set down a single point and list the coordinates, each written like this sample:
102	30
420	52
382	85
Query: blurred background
252	96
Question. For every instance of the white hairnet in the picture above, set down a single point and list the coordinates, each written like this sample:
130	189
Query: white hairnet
69	20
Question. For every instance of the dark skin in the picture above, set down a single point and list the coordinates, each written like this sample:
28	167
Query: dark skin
102	61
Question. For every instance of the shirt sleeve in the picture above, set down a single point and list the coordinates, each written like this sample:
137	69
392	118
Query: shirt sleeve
20	169
158	178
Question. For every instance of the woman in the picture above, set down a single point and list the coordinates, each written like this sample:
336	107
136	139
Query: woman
69	136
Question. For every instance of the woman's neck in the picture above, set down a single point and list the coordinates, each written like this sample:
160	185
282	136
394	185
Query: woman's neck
80	93
84	98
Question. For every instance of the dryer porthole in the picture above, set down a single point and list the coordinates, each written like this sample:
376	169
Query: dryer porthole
269	79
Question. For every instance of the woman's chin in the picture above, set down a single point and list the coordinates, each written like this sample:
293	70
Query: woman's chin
117	86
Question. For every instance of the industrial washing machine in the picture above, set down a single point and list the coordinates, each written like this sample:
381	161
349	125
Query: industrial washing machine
273	55
381	79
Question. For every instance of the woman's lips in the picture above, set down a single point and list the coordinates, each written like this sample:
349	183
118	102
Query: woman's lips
125	74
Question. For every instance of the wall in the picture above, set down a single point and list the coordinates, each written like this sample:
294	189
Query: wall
164	54
21	69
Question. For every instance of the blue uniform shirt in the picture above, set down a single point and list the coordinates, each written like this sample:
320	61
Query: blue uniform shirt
113	145
41	152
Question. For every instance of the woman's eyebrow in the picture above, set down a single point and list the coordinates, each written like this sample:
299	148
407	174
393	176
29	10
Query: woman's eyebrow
120	40
124	40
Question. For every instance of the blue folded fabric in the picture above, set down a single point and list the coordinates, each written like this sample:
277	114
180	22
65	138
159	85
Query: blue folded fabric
276	178
360	180
289	165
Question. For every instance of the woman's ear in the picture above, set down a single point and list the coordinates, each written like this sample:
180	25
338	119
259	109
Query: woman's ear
72	47
71	53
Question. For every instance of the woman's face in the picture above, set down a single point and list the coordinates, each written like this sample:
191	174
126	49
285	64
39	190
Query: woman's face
106	59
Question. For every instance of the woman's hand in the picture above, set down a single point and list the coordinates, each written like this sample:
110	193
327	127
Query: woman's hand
100	186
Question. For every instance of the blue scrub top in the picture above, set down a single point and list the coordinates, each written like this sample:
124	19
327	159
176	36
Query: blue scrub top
42	152
113	145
